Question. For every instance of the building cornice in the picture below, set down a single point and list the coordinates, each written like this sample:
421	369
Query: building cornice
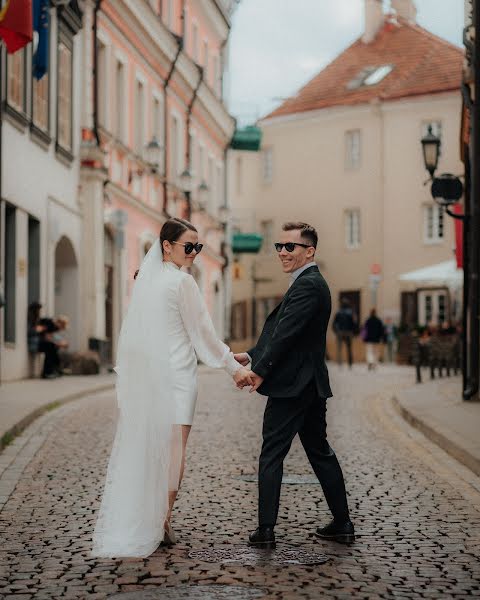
133	202
334	112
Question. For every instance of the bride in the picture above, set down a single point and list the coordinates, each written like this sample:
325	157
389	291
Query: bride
166	327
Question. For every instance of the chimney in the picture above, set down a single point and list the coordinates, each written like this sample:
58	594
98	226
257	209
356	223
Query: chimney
373	19
405	9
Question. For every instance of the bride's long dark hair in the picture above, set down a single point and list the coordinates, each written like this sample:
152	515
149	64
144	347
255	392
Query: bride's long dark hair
173	229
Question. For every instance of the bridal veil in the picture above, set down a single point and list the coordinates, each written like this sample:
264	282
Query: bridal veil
145	459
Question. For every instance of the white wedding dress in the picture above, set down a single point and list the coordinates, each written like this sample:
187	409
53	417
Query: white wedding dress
166	328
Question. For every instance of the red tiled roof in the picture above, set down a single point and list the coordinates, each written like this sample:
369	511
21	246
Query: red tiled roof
423	64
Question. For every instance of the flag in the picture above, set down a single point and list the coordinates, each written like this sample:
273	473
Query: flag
41	23
16	24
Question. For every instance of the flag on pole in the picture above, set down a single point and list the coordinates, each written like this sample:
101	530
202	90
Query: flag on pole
41	24
16	24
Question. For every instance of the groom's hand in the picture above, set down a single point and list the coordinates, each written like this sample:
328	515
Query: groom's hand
242	358
243	377
257	381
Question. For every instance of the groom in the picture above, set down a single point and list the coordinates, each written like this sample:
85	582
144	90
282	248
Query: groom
288	366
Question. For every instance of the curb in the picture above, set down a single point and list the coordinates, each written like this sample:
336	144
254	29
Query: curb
459	453
19	427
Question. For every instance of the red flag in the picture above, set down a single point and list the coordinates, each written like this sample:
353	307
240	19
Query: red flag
16	24
458	209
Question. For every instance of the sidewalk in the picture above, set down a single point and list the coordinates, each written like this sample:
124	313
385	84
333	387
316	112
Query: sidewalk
21	402
436	408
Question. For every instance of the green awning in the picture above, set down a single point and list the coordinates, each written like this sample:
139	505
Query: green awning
248	138
246	243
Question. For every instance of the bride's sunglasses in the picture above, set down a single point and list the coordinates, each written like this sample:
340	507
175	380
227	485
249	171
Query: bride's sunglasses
289	246
189	247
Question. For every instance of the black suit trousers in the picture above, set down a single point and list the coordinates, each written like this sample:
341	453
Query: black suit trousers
283	419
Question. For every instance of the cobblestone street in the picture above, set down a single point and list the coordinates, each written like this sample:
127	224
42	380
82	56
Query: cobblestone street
416	511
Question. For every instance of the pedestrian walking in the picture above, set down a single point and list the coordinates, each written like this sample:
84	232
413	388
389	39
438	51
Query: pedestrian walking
344	326
391	335
166	327
288	366
373	334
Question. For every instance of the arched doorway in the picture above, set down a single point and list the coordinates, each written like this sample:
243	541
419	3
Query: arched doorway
66	287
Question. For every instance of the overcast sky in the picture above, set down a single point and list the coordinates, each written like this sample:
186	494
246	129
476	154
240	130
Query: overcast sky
278	45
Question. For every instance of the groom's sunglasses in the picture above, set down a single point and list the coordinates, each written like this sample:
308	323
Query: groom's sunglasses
189	247
289	246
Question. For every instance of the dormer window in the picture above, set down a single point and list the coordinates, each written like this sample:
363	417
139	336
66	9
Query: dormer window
370	76
378	74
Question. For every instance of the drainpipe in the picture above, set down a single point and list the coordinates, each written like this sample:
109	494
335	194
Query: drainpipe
188	149
165	124
95	72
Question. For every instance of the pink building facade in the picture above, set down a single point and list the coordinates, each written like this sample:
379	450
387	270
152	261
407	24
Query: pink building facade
154	124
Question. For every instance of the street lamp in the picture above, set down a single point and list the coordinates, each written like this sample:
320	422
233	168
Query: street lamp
431	151
203	192
446	190
186	183
153	154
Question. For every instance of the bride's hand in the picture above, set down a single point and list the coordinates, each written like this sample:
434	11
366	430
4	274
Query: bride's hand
243	377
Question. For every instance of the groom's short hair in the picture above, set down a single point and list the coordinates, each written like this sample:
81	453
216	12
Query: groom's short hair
308	232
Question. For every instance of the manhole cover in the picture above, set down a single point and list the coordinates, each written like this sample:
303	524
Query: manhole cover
244	555
193	592
288	479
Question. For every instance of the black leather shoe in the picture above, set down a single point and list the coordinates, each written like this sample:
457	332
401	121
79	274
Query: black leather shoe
263	537
338	532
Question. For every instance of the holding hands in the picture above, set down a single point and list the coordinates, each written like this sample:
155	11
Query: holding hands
244	376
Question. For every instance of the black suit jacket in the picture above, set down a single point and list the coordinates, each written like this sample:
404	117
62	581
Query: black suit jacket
291	349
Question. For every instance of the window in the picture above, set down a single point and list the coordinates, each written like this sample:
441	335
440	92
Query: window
120	101
432	307
169	15
211	185
377	75
174	146
102	83
433	223
10	274
352	149
267	165
16	91
267	234
40	103
64	96
201	164
139	118
157	120
195	42
352	228
369	76
220	187
205	59
216	75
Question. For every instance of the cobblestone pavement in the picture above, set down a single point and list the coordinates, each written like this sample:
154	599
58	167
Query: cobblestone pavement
415	509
